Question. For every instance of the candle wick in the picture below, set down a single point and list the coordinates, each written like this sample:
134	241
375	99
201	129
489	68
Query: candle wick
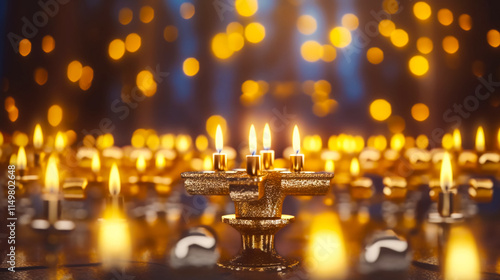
253	153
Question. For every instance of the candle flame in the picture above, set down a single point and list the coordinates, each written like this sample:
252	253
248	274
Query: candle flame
446	176
397	141
96	163
52	176
38	137
296	139
60	143
140	164
329	166
21	158
354	167
219	141
480	139
462	257
252	140
267	137
160	161
114	180
457	139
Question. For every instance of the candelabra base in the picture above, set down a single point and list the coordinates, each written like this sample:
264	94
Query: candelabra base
258	252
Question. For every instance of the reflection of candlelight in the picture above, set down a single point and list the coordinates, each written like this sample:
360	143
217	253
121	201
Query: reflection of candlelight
296	159
480	140
114	241
254	161
462	258
52	189
267	153
38	137
219	158
326	253
21	159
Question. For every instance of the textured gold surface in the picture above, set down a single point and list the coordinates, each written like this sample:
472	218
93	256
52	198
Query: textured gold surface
258	208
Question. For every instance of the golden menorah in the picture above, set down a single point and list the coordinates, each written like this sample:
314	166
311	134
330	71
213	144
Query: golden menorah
258	204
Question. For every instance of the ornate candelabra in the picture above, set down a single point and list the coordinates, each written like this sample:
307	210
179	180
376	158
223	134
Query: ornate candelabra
258	202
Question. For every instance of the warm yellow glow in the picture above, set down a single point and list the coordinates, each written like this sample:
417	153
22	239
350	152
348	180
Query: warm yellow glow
114	240
340	37
48	43
493	37
114	180
390	6
38	137
329	53
207	163
447	141
462	257
21	159
311	51
418	65
221	47
399	38
187	10
380	109
446	175
465	22
246	8
296	139
13	114
375	55
20	139
219	141
52	176
40	75
380	143
330	166
86	78
201	143
60	142
252	140
422	141
397	141
146	14
74	71
96	163
326	254
420	112
24	47
1	139
445	17
54	115
125	16
350	21
354	167
457	139
140	163
422	10
191	66
386	27
170	33
424	45
132	42
236	41
160	161
266	141
450	44
498	138
116	49
255	32
306	24
480	139
183	143
146	83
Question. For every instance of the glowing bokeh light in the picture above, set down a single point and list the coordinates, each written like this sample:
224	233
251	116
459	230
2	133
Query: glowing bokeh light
418	65
255	32
191	66
54	115
380	109
420	112
306	24
422	10
399	38
132	42
48	43
445	17
340	37
450	44
116	49
350	21
311	51
375	55
424	45
74	71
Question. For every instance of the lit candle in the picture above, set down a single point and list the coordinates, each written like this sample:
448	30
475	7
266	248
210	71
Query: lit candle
21	161
60	142
445	203
96	165
254	162
219	159
51	196
296	159
37	142
160	161
457	140
361	187
140	164
267	153
116	200
480	140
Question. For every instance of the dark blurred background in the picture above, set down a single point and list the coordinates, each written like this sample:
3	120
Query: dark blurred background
282	87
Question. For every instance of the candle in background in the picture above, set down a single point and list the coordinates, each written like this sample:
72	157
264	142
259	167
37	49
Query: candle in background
354	167
330	166
51	196
59	142
254	161
267	153
140	164
480	140
457	140
445	203
96	165
21	161
115	187
160	161
219	159
297	159
37	143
